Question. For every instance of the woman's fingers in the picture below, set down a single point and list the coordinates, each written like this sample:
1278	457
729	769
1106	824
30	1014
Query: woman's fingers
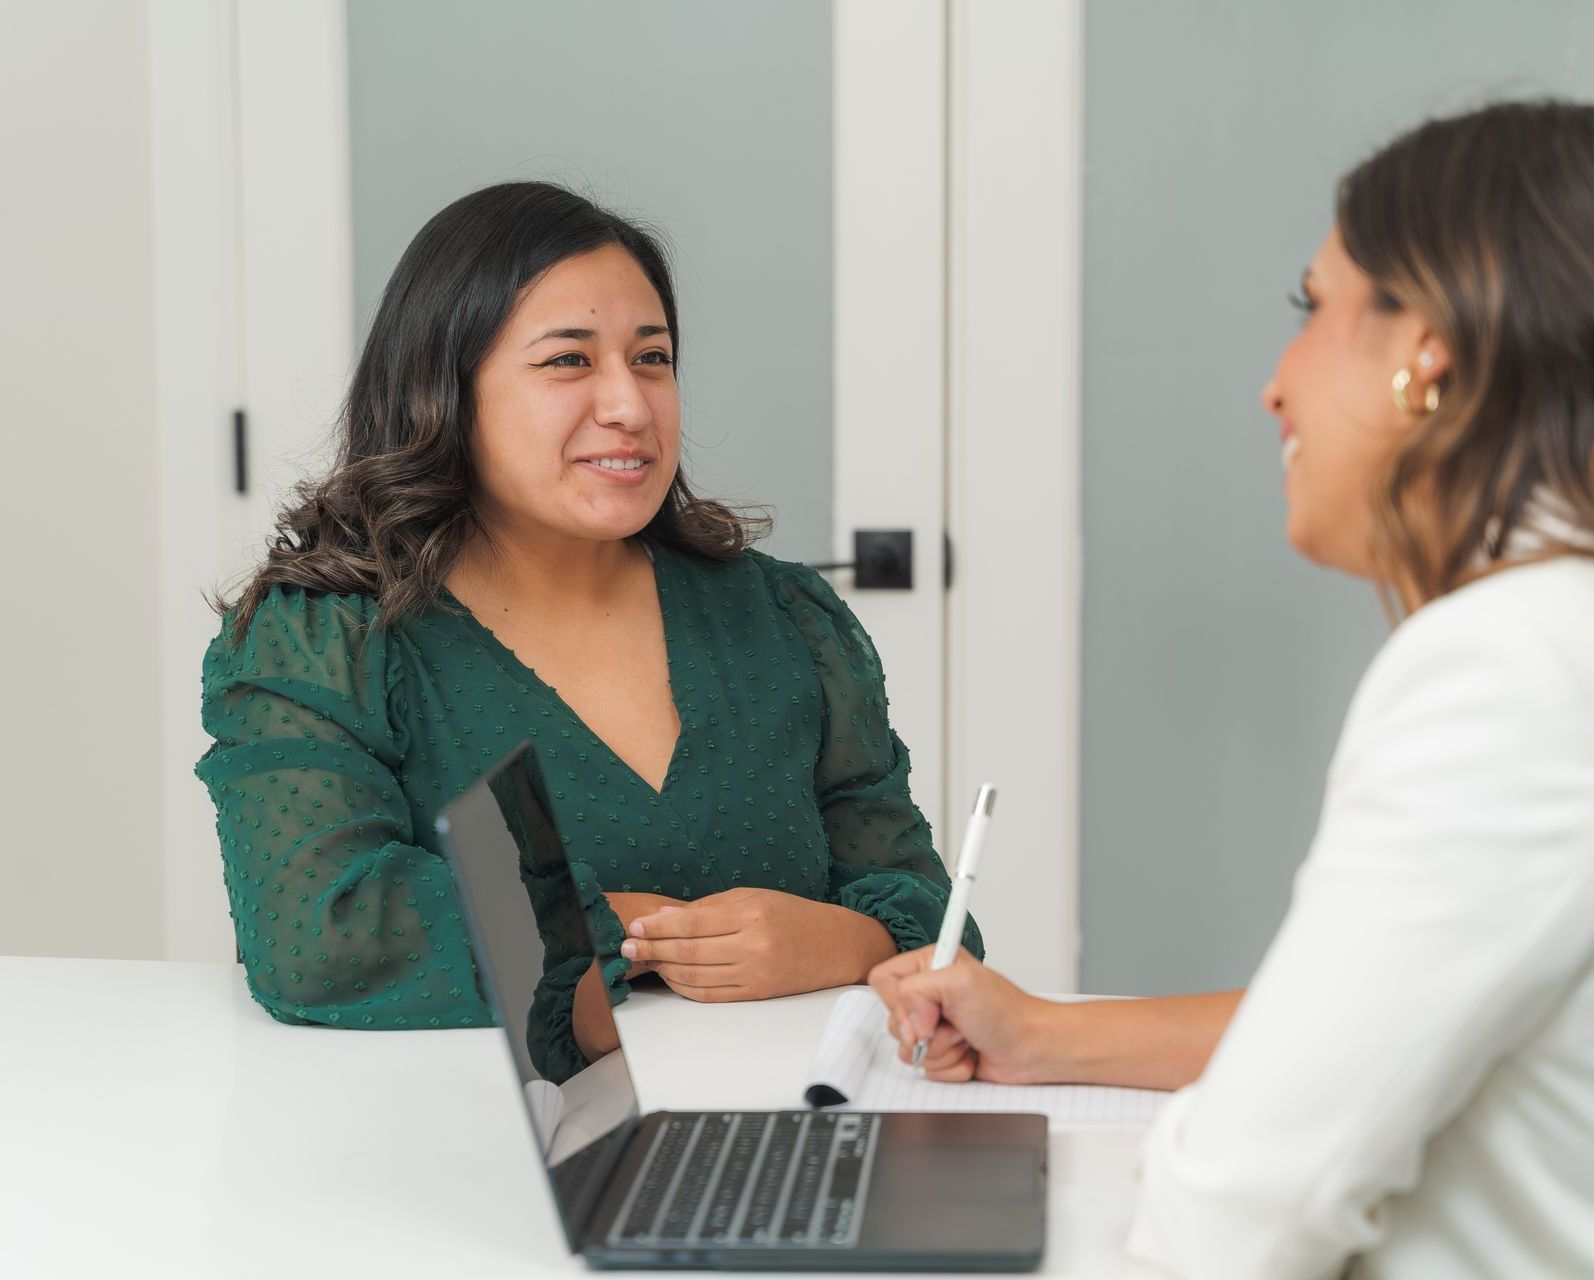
654	951
886	979
698	975
946	1044
924	1000
920	1013
886	976
963	1066
704	995
687	922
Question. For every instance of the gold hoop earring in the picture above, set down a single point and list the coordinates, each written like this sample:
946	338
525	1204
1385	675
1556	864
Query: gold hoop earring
1397	389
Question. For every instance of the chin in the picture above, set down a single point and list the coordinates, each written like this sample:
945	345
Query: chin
1299	535
1324	553
613	525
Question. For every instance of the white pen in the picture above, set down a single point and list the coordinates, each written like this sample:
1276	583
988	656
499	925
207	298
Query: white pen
957	903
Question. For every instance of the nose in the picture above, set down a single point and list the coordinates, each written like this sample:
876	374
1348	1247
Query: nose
618	400
1272	398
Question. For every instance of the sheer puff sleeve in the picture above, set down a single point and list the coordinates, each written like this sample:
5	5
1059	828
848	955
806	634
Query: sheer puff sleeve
341	916
882	861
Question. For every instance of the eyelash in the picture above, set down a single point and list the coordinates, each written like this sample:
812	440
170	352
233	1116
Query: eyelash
1303	303
664	360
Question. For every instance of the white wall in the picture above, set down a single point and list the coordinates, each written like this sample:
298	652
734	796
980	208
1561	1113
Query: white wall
80	770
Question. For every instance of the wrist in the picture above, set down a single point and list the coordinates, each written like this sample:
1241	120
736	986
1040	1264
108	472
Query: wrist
1058	1036
872	943
594	1033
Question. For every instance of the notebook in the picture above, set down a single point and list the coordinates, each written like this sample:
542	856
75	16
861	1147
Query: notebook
857	1069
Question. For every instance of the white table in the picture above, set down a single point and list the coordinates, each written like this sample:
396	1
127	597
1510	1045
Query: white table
154	1121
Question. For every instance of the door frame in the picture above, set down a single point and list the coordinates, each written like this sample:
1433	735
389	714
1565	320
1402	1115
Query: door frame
981	113
193	179
889	161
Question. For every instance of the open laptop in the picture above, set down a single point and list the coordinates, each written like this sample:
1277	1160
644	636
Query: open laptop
791	1190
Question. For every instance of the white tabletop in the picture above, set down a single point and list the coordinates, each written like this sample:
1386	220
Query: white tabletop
155	1121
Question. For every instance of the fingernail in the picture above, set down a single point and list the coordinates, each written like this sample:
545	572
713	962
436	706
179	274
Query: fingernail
628	950
637	930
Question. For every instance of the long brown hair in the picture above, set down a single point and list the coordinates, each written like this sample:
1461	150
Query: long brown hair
1484	224
392	516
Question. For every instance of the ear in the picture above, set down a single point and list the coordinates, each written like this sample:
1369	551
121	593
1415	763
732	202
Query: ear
1430	358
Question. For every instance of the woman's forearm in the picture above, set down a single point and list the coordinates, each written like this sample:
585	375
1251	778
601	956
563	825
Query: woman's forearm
1159	1043
591	1020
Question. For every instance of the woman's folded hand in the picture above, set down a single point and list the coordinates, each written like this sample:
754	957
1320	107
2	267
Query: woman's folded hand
751	944
632	906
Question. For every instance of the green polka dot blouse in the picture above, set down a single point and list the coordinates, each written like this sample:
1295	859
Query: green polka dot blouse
336	744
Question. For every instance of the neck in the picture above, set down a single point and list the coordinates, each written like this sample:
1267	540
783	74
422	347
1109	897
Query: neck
536	565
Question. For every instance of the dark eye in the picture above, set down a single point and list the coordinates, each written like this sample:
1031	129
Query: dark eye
661	358
1304	303
569	360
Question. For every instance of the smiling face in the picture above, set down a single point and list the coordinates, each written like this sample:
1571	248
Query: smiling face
577	413
1331	393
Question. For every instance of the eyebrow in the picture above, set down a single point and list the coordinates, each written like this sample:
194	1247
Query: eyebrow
587	335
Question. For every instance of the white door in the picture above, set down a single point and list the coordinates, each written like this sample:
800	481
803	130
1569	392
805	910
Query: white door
958	165
249	176
981	678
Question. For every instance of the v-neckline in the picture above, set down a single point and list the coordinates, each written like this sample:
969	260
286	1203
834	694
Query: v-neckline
508	655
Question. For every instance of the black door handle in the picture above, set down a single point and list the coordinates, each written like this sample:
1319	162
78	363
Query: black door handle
882	560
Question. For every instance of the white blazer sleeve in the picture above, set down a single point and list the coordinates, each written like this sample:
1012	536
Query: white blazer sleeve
1443	910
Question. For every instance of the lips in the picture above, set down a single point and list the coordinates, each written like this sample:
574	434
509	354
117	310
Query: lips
601	458
1291	443
622	469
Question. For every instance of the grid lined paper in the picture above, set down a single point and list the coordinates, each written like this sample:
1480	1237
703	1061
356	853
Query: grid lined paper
858	1059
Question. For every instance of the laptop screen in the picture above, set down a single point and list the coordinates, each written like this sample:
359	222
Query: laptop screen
532	944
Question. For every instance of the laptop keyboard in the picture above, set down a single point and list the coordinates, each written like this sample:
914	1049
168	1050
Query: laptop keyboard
751	1181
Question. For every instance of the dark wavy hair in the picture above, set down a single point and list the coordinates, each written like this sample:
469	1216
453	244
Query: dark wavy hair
396	509
1483	224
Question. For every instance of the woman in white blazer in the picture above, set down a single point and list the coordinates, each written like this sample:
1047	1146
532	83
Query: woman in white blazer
1407	1087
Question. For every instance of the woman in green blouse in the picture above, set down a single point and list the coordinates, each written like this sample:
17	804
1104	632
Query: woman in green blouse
506	549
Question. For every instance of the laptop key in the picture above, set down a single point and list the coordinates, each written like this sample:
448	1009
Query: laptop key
668	1147
811	1160
733	1177
770	1180
689	1191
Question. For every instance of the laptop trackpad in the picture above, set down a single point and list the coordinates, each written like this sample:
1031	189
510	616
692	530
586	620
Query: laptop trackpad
966	1174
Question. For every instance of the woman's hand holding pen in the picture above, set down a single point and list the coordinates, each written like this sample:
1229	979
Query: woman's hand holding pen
751	944
980	1025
